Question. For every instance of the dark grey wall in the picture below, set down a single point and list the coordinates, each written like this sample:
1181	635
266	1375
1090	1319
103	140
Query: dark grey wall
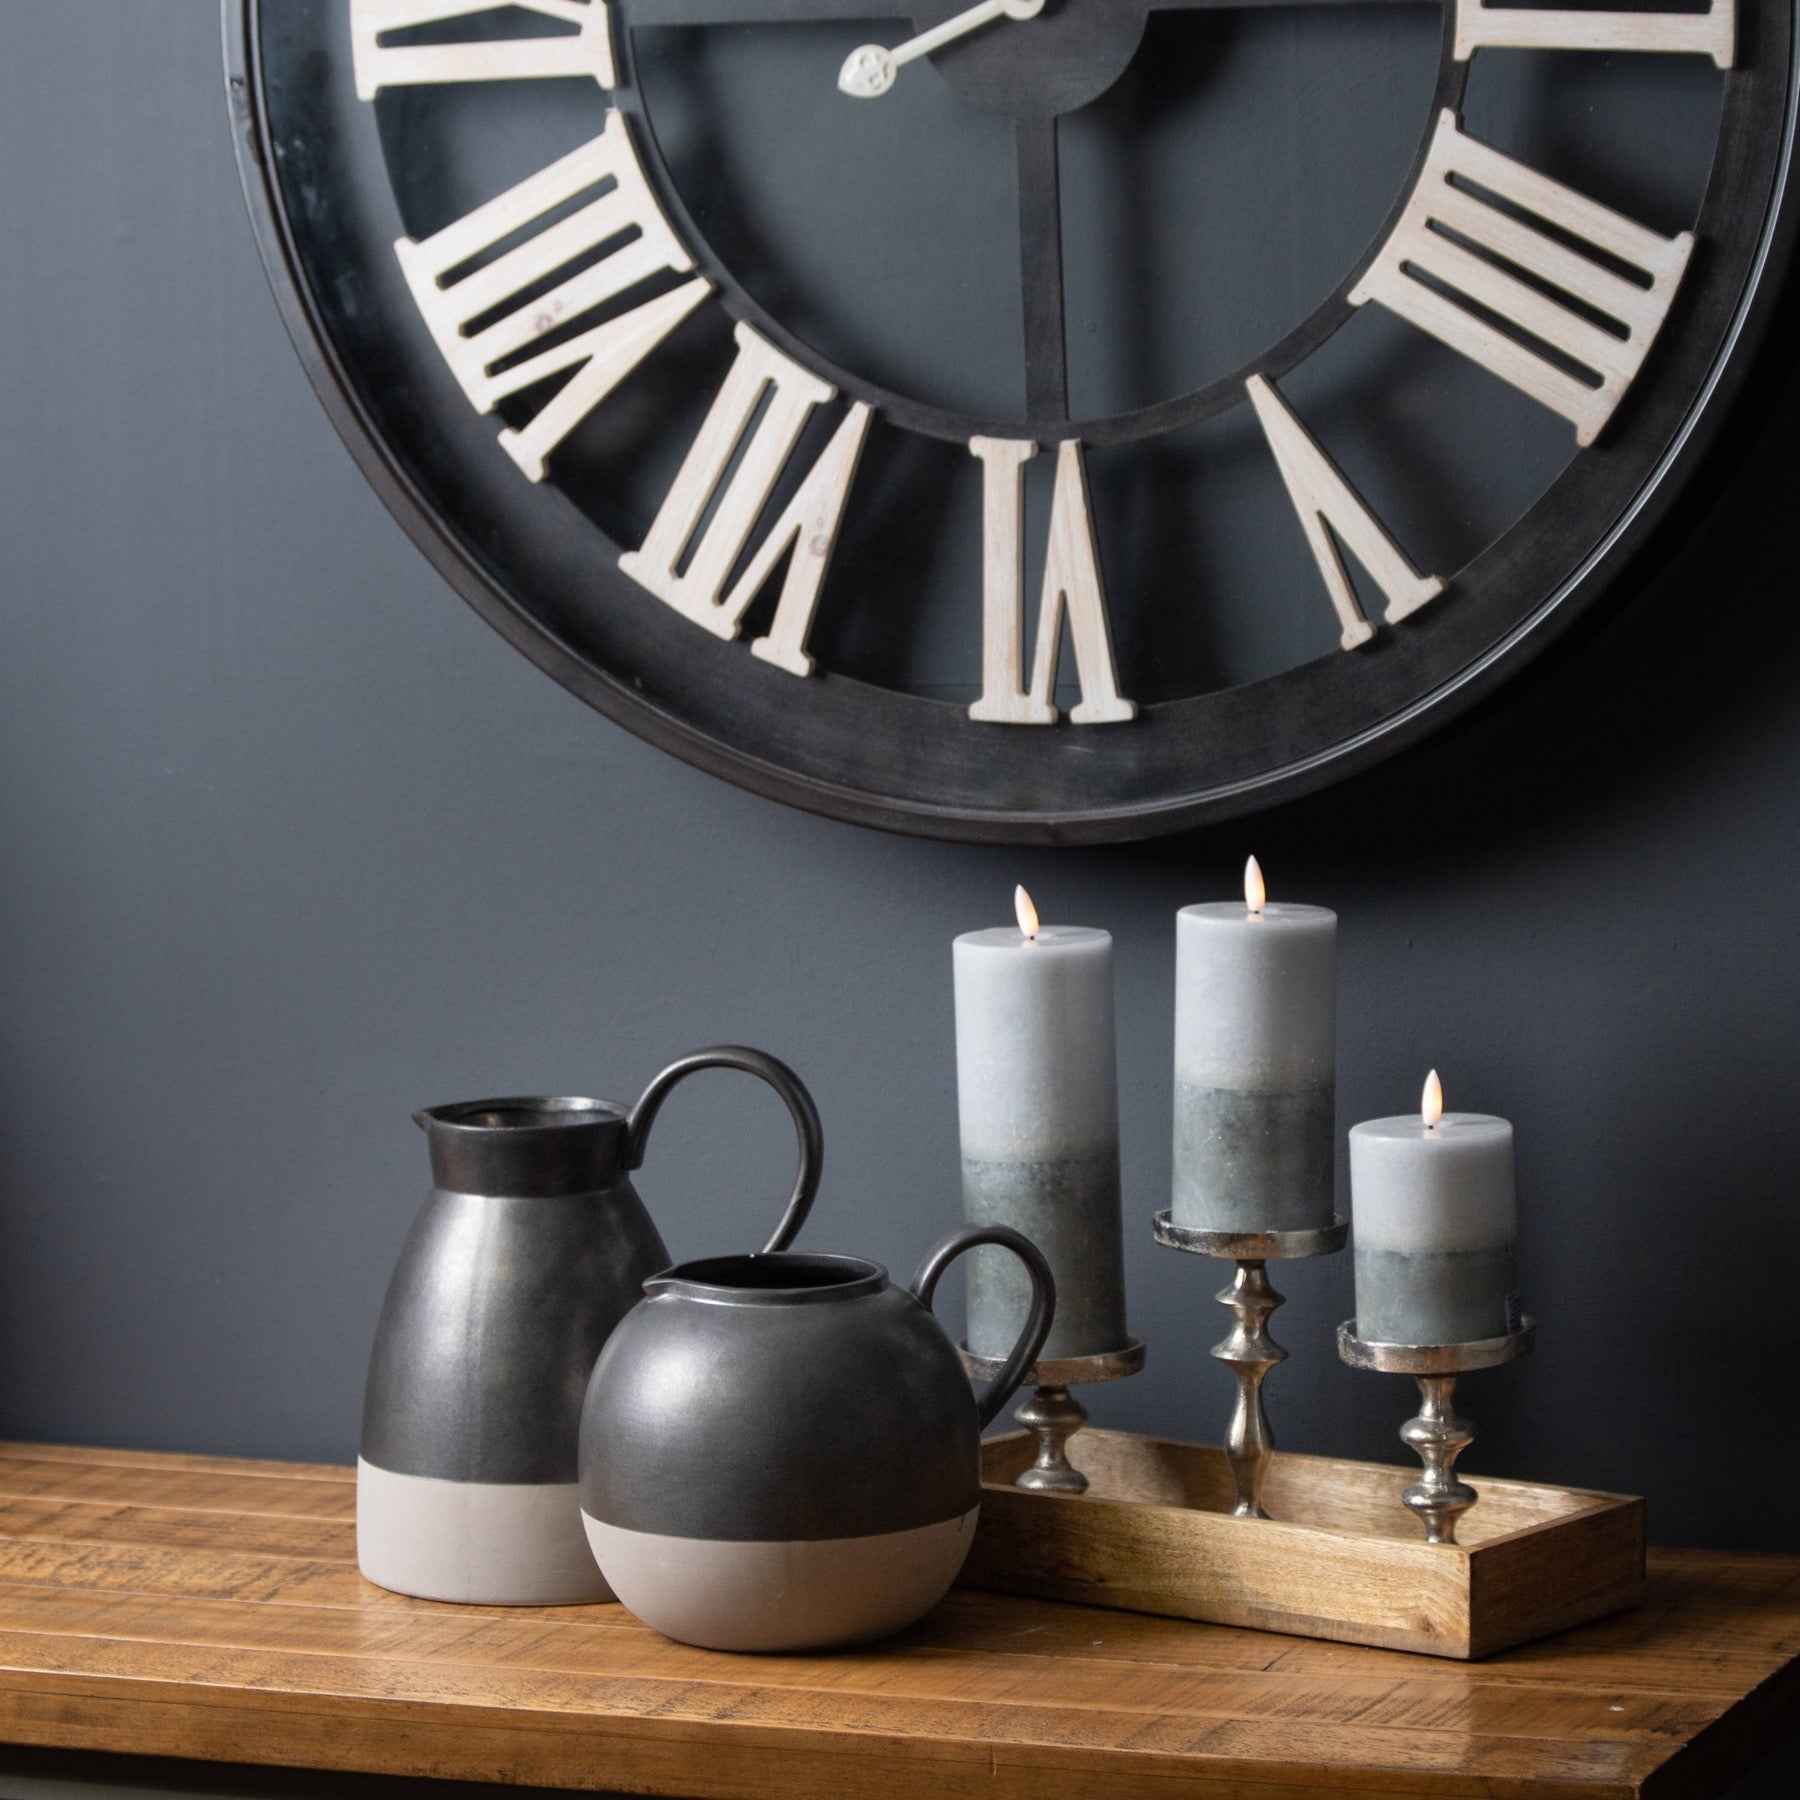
294	845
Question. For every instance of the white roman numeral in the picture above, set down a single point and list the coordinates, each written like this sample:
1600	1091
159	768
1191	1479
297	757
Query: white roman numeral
1071	581
1711	33
687	567
497	359
1562	357
586	51
1326	502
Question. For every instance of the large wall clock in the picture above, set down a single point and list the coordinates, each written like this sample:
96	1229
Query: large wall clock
1033	421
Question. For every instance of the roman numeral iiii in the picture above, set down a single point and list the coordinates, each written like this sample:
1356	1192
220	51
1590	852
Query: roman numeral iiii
1540	285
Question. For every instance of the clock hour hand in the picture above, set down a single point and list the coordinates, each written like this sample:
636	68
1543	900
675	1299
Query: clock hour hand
870	70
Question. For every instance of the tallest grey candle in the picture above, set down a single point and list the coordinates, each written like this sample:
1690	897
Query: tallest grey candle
1255	1064
1037	1098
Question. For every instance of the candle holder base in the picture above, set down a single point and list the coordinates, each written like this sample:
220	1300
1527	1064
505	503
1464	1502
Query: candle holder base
1248	1348
1437	1434
1052	1414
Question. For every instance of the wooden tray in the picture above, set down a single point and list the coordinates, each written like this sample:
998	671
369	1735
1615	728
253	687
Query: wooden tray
1341	1557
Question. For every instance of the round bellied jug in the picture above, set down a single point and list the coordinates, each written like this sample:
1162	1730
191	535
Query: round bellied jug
782	1452
530	1248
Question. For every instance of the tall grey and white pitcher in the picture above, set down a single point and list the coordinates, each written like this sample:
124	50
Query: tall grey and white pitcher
530	1248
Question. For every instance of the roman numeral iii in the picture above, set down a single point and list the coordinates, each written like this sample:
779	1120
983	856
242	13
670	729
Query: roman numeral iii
1482	259
585	51
533	340
1710	33
1327	503
1071	583
687	566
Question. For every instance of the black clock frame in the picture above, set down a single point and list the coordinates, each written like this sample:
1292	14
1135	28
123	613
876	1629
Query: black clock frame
880	758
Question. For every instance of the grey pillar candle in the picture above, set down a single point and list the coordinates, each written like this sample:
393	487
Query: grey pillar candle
1435	1224
1037	1099
1255	1064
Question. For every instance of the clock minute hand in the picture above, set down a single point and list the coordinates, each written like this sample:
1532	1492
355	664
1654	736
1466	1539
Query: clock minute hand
870	70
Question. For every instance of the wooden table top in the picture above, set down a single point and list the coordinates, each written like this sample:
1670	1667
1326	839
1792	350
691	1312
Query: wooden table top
192	1606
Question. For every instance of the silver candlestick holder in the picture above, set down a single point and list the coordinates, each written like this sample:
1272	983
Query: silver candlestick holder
1437	1434
1053	1415
1248	1349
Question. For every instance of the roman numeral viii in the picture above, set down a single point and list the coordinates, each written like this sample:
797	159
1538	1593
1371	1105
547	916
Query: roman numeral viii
1071	583
505	322
585	51
1545	288
722	489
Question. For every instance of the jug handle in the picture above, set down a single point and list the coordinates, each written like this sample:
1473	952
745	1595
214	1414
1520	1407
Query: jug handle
1037	1320
784	1081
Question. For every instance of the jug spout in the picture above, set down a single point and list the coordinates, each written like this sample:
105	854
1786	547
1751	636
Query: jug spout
533	1146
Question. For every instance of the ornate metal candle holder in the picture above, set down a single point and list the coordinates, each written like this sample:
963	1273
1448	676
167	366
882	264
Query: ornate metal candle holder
1438	1434
1250	1351
1053	1415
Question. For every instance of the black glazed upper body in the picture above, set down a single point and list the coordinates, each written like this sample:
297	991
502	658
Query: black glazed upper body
503	1296
822	1402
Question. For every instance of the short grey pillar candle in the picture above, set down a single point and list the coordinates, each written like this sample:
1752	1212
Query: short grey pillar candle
1435	1225
1255	1064
1037	1098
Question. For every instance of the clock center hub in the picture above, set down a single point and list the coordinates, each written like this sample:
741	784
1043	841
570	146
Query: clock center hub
1067	56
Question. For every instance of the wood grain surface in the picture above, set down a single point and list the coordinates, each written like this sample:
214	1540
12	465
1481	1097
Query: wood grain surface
190	1606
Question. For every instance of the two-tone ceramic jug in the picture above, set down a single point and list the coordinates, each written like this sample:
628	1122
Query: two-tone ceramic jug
531	1247
782	1452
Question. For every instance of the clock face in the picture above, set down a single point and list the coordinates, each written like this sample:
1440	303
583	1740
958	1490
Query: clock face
1027	421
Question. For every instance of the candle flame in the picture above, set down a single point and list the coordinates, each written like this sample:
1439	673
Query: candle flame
1256	893
1431	1102
1028	914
